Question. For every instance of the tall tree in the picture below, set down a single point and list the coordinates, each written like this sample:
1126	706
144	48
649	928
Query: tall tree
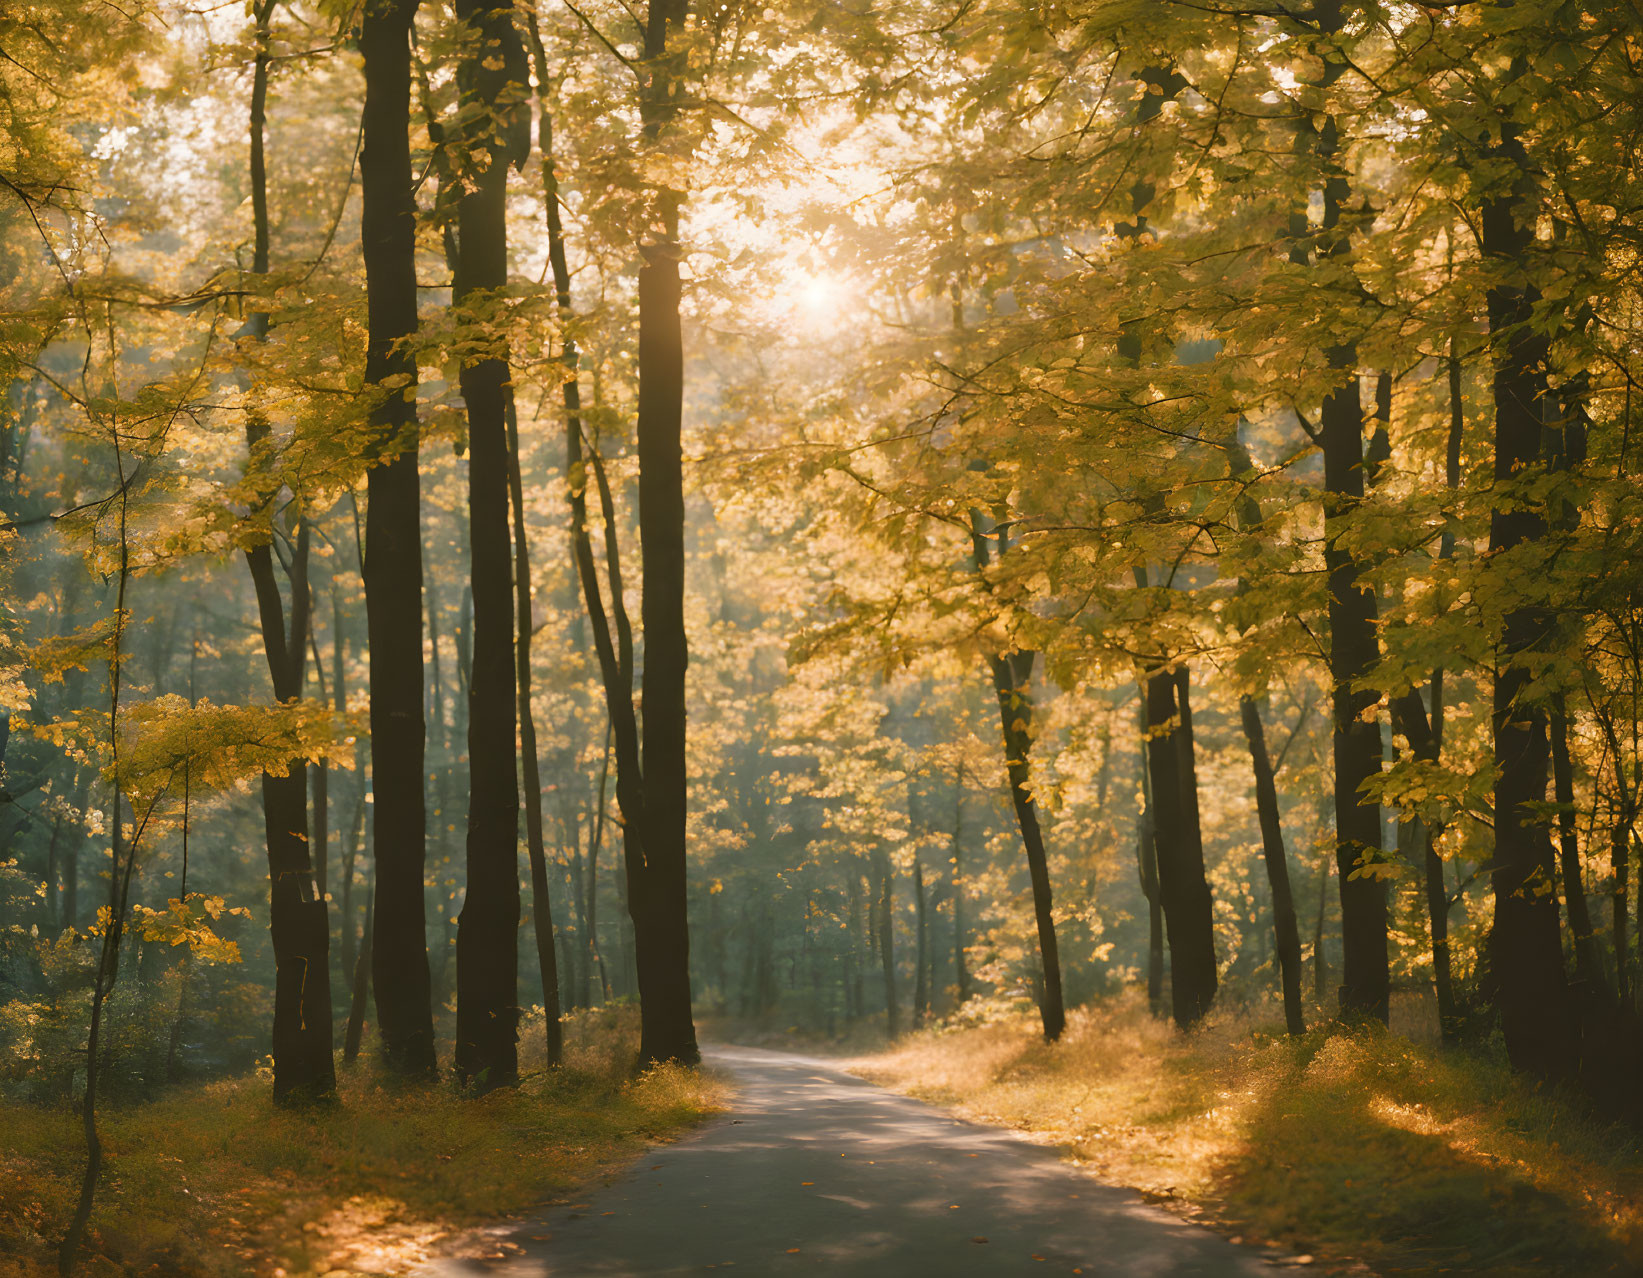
1183	889
495	132
1146	864
298	921
1012	677
656	893
530	765
961	936
1354	648
392	566
1526	951
1286	931
884	927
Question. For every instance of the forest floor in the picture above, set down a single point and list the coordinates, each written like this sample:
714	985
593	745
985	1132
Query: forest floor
1357	1149
212	1180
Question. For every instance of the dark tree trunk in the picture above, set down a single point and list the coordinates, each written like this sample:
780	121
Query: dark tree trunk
1574	886
657	900
1146	856
392	568
1620	867
1354	651
1012	675
1285	931
1320	964
303	1069
1526	950
1184	896
1354	646
487	941
656	897
322	798
298	922
541	905
1437	893
852	958
961	967
884	914
361	981
595	955
578	972
921	985
1426	740
1623	819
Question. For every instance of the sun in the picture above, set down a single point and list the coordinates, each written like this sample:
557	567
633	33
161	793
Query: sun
814	299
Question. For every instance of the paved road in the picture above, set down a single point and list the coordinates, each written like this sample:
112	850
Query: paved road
814	1171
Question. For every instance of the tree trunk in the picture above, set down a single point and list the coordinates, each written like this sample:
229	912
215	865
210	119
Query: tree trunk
1285	931
487	941
541	906
1012	674
1320	968
1426	740
119	880
1574	886
1354	650
656	896
578	971
1146	856
392	568
853	1009
303	1069
885	927
1437	893
592	890
1526	951
961	968
1183	890
1620	867
361	984
1622	822
298	922
1353	647
921	985
661	928
661	960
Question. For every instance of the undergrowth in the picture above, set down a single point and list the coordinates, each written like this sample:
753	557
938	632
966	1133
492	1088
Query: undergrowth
215	1181
1350	1147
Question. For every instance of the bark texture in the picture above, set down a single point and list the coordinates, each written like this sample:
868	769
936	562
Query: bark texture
392	568
487	944
1526	950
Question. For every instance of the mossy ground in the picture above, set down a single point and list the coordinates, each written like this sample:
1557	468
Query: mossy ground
215	1180
1351	1147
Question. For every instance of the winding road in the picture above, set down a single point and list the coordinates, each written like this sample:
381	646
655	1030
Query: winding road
813	1171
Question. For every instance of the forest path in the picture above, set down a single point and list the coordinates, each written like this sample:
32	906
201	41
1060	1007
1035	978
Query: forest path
815	1171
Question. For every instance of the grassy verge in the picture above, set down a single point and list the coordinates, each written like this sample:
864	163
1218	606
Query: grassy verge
1349	1147
215	1181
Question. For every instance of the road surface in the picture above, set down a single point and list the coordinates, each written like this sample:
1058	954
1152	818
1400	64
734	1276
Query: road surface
813	1171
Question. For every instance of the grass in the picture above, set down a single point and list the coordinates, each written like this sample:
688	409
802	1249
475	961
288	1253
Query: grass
1349	1147
214	1181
